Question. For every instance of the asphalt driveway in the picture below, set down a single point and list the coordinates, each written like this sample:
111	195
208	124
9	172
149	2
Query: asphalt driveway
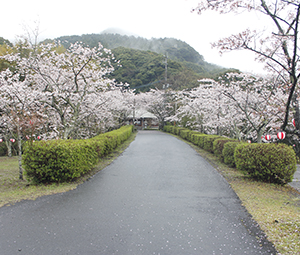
158	197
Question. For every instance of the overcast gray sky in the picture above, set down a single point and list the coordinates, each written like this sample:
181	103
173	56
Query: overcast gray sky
145	18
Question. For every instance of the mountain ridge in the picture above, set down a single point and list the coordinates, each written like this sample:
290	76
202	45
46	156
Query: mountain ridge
175	49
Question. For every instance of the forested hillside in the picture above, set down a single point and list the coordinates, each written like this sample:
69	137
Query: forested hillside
143	60
5	41
146	69
176	49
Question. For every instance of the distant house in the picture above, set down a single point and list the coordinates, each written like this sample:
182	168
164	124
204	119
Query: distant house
142	119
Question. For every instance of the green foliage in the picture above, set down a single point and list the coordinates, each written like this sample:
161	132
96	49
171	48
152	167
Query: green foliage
176	49
184	133
198	139
168	128
190	135
65	160
209	141
275	163
5	48
146	69
143	60
141	69
218	146
177	130
228	153
5	42
3	149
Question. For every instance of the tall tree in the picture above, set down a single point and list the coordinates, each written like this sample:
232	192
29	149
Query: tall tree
19	102
237	105
69	81
277	47
158	102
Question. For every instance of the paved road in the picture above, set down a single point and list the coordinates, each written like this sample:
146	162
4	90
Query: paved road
158	197
296	181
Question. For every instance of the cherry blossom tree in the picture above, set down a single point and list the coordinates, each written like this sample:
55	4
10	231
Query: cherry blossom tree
277	46
238	105
18	103
70	82
204	108
158	102
50	92
259	101
111	111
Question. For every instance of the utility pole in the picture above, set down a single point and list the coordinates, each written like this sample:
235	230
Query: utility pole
133	115
166	68
166	85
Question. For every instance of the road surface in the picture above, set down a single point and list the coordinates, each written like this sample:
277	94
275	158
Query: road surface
158	197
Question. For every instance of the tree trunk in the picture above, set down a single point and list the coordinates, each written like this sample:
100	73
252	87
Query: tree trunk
259	134
20	162
297	112
9	151
20	154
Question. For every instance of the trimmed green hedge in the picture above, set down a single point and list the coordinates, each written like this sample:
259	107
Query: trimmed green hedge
274	163
191	135
266	162
218	146
200	139
168	128
65	160
228	153
209	141
184	133
195	138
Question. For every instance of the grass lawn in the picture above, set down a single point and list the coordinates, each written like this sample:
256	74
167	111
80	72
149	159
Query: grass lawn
276	208
13	190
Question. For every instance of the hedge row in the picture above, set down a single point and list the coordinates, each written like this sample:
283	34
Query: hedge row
274	163
65	160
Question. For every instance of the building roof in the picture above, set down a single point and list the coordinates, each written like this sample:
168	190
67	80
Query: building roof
142	113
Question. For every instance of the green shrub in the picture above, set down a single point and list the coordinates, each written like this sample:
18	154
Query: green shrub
198	139
168	128
208	142
114	138
171	129
65	160
190	135
228	153
218	146
274	163
201	139
193	138
184	133
3	149
58	160
177	130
